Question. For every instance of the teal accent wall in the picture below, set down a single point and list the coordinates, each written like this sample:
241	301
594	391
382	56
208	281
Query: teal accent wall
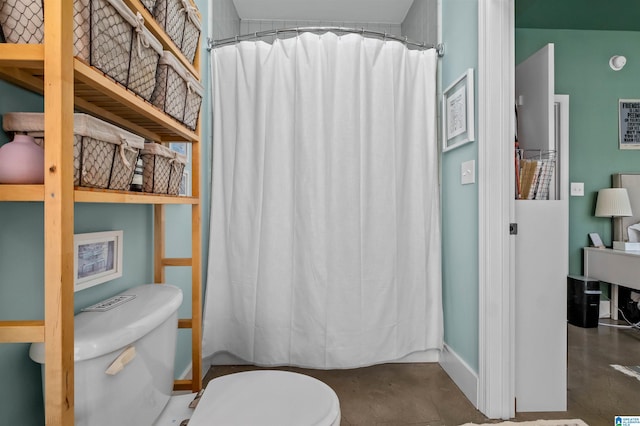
582	71
22	260
460	202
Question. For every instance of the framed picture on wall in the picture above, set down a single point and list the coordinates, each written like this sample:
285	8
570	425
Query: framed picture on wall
185	184
458	112
629	123
97	258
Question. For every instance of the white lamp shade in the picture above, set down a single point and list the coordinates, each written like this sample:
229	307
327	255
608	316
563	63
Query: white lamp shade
613	202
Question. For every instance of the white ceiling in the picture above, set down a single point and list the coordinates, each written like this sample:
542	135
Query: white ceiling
386	11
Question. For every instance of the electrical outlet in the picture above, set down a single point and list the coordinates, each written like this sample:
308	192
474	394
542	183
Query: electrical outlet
577	189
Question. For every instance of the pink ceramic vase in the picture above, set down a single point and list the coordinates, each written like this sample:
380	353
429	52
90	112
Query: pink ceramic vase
21	161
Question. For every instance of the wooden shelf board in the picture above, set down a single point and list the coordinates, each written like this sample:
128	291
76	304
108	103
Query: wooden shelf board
21	55
21	331
21	192
103	92
97	94
93	195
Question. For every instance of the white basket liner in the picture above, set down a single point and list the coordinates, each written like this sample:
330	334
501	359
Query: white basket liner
136	20
169	59
83	124
152	148
192	13
193	85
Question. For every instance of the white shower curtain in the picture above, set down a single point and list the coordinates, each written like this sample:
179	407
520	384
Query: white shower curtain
325	227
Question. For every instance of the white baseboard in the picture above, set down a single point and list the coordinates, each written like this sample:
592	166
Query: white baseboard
462	375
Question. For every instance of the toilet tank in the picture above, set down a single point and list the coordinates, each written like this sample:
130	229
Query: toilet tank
124	357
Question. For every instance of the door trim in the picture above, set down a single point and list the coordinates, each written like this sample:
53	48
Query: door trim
496	208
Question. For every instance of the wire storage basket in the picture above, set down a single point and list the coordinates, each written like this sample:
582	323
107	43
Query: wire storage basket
104	155
107	35
535	172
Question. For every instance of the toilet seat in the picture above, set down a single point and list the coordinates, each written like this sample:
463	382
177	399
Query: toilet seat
267	398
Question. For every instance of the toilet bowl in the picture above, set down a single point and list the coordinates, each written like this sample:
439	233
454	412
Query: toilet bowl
124	352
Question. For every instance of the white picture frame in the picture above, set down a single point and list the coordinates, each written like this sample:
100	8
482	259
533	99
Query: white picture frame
97	258
629	123
458	121
185	184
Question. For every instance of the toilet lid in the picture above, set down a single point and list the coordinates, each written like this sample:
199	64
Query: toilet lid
265	398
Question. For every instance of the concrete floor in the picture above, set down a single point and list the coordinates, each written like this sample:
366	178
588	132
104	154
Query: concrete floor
423	394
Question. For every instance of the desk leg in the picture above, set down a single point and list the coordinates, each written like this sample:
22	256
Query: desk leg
614	302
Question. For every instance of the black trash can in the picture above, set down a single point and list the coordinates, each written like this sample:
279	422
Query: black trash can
583	301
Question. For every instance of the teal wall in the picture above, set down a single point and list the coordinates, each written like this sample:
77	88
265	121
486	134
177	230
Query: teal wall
22	262
582	71
460	202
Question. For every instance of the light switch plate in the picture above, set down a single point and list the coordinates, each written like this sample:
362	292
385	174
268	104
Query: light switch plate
468	172
577	189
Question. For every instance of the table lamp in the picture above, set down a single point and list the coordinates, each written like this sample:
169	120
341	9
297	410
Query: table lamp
614	202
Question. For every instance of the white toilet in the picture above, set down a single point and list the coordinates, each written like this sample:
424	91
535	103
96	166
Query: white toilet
124	362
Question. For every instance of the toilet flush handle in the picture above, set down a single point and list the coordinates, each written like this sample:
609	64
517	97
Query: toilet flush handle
121	361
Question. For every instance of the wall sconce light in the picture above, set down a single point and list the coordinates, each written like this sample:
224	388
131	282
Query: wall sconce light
617	62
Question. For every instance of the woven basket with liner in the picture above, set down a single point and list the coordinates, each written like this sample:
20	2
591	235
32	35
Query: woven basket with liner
107	35
195	91
104	155
181	21
177	91
162	169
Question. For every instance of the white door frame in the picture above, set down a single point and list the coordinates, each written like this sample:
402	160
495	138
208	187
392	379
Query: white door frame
496	381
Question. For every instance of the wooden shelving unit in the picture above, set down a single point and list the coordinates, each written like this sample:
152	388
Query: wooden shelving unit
68	83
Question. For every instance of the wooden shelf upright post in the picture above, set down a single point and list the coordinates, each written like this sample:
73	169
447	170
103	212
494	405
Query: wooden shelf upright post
58	212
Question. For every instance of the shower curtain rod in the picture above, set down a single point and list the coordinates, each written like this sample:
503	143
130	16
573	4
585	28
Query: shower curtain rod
212	44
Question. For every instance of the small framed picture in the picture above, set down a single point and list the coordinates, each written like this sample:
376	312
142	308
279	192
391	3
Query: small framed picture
185	184
595	239
629	123
97	258
458	113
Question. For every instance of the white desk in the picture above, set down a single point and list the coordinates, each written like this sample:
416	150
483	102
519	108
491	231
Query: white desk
615	267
